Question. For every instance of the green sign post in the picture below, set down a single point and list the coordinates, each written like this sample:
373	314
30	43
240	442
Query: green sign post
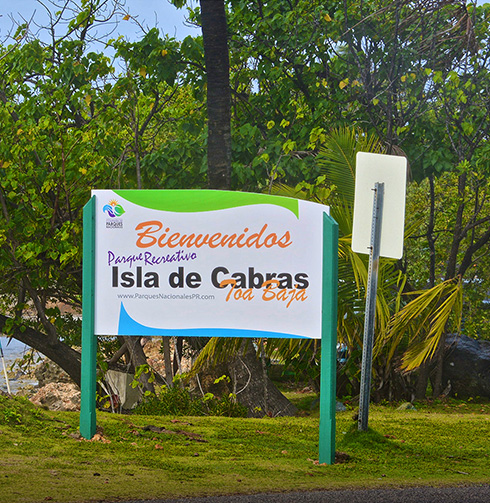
291	234
328	364
89	340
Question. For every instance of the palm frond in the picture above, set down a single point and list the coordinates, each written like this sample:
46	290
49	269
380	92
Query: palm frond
343	213
217	350
288	349
337	157
424	320
281	189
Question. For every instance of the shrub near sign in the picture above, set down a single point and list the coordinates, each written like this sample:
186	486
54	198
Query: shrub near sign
209	263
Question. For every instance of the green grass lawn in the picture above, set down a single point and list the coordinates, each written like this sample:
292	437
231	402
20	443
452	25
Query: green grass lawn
138	457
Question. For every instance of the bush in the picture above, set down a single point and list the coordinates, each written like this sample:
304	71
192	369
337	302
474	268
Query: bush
177	401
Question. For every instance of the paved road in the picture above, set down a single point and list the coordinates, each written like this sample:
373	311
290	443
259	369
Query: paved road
473	494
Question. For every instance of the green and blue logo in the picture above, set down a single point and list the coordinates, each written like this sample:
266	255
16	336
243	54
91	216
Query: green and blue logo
113	209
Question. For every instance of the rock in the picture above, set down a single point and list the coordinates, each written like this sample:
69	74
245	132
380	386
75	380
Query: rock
47	372
406	406
340	407
58	396
27	390
467	366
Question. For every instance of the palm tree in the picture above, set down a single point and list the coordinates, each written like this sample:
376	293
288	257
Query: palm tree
336	188
409	324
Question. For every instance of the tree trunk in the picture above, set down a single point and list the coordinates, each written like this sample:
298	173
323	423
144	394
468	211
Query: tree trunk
431	241
215	41
245	370
57	351
458	231
458	234
169	376
424	370
248	382
178	349
422	381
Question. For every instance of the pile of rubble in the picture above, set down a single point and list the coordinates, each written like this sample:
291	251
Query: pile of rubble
56	391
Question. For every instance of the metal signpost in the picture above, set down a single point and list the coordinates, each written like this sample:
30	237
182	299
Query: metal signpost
379	214
5	370
369	317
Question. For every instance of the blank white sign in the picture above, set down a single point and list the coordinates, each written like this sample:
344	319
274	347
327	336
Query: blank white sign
392	171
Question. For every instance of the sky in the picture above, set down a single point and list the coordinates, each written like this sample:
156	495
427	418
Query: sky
160	13
150	13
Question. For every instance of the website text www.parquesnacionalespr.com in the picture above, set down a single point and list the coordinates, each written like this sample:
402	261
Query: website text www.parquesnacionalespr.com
165	296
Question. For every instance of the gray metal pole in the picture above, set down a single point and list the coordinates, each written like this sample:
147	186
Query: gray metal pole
5	370
369	317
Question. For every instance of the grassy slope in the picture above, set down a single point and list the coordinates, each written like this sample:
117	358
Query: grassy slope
41	460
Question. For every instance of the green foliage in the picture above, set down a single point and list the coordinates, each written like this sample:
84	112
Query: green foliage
408	332
141	370
282	100
48	163
447	199
12	417
217	350
337	163
20	413
427	318
178	401
72	119
71	122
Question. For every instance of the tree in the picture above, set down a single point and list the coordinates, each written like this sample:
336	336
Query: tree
257	392
48	163
61	135
147	97
385	51
215	43
460	113
283	97
335	187
414	73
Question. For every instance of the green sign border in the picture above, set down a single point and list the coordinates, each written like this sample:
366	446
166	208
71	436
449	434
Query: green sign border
184	201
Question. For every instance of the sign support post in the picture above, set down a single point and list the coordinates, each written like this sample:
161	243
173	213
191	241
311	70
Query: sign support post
386	202
89	340
370	314
328	364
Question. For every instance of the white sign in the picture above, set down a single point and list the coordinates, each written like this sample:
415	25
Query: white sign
392	171
207	263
